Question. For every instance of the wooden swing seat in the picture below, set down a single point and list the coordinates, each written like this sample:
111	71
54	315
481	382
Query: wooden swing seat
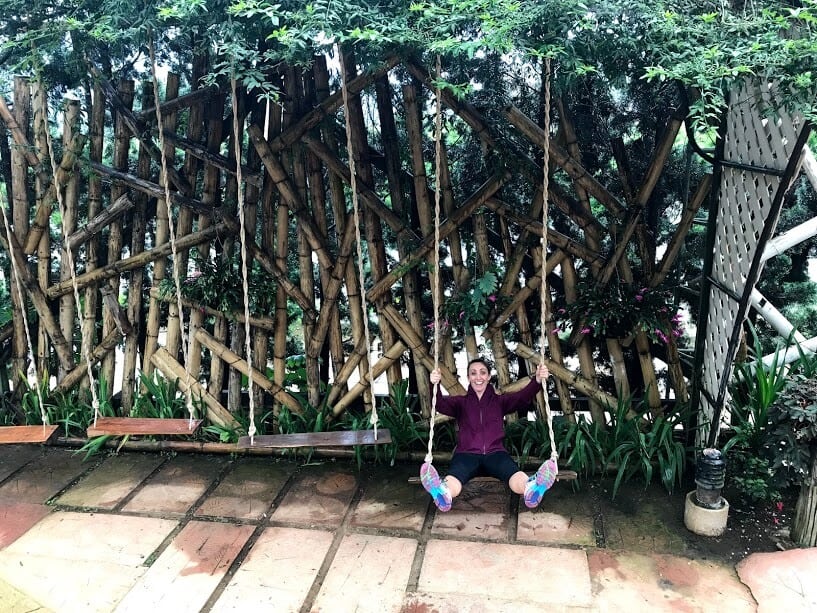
143	426
339	438
563	475
26	434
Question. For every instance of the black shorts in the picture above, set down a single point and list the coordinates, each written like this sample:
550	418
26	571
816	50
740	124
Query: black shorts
466	466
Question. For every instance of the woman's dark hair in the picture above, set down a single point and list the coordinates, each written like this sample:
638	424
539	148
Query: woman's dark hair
482	361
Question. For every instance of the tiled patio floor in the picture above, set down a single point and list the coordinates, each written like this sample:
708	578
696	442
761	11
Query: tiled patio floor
141	532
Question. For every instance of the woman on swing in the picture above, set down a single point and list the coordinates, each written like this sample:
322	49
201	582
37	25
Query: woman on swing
480	450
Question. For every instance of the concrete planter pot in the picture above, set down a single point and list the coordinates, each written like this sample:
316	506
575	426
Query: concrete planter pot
702	520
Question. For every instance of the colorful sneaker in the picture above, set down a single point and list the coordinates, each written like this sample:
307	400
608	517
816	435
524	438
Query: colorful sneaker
435	486
539	483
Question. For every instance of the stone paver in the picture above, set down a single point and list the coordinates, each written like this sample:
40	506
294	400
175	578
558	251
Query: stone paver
15	456
13	600
278	571
560	519
661	582
248	490
185	575
82	562
368	573
177	486
422	602
390	502
318	498
782	581
112	481
41	480
645	531
522	573
482	510
17	518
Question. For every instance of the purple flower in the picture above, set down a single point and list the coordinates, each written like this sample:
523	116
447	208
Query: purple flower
492	298
587	330
639	297
661	335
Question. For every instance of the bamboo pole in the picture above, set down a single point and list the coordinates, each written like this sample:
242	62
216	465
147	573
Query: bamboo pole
120	162
319	92
21	209
587	364
233	360
372	222
391	356
136	277
414	310
174	371
46	192
70	201
256	321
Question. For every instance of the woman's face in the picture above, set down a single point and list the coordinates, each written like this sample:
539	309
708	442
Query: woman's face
478	377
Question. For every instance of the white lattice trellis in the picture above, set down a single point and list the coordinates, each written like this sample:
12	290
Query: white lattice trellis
756	152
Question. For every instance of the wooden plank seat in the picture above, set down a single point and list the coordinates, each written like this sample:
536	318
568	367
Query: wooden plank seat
143	426
563	475
26	434
338	438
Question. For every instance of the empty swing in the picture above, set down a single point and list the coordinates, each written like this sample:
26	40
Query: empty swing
337	438
155	426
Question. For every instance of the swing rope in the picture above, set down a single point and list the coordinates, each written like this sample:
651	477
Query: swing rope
554	454
172	236
32	368
251	430
85	342
436	272
360	270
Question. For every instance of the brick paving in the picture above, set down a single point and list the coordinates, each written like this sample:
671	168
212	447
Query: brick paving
142	532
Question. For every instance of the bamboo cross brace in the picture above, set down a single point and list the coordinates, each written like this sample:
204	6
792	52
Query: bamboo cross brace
332	291
290	195
574	170
365	192
233	360
574	379
418	346
265	323
81	370
136	261
61	346
390	357
269	264
100	221
174	371
139	130
477	199
535	227
294	133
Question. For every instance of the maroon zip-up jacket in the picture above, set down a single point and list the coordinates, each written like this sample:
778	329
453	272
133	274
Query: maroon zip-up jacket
480	419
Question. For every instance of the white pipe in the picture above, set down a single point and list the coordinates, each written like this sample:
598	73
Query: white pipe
775	318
